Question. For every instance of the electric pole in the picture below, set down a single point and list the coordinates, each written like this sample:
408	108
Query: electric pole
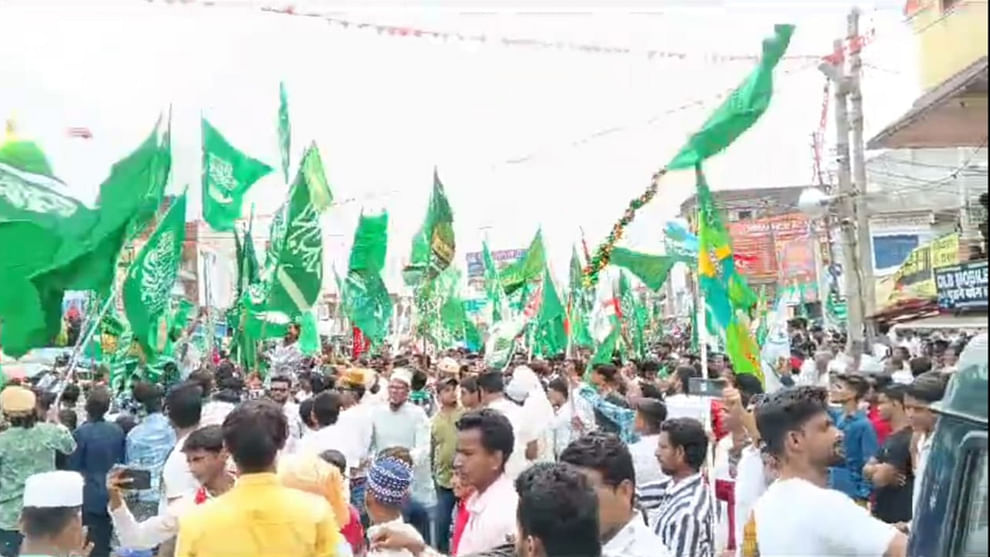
865	240
834	69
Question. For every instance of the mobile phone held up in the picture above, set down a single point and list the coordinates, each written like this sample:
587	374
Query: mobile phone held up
135	479
706	387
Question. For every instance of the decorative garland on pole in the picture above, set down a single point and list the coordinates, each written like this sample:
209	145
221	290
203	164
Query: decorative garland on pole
603	253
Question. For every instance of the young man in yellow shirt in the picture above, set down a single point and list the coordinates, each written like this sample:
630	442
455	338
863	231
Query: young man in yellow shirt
259	517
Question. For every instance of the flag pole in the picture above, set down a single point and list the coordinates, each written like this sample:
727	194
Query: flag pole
84	341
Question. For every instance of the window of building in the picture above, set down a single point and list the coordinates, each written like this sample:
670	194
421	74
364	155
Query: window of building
745	215
949	4
890	251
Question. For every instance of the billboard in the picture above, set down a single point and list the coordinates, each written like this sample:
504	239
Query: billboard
775	249
962	286
476	263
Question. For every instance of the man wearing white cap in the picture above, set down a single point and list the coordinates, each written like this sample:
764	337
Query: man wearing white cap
401	423
52	516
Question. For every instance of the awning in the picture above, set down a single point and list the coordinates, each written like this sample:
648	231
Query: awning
947	321
953	114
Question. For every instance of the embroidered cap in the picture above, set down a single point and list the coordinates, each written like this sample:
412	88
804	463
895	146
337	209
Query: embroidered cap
389	479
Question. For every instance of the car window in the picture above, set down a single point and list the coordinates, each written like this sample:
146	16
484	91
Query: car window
974	513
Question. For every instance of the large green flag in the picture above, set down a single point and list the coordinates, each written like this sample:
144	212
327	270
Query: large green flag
528	268
150	279
493	286
653	270
54	244
298	272
284	131
227	176
433	245
550	330
741	110
368	304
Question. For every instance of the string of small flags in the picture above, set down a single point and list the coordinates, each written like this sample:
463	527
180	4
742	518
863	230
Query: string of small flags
482	39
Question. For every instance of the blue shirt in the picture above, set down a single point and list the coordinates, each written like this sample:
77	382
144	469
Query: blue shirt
623	419
860	444
99	446
148	445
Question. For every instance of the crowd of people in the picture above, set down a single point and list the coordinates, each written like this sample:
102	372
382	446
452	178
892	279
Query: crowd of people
414	455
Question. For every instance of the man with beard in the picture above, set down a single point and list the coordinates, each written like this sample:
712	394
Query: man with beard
798	515
403	424
680	507
280	392
287	358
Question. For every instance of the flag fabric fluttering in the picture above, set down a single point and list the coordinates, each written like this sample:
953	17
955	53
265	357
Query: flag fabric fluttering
147	290
227	176
284	131
528	268
726	294
493	286
504	336
54	243
604	322
433	245
298	266
653	270
578	304
777	344
550	333
367	301
741	110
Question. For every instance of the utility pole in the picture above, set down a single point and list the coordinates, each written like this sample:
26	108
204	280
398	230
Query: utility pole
865	244
834	69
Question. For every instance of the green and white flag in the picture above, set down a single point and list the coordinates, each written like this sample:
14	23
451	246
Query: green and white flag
493	286
367	301
298	274
284	131
528	268
227	176
148	287
53	243
433	245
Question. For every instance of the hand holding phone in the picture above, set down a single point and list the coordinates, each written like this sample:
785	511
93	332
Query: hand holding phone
706	387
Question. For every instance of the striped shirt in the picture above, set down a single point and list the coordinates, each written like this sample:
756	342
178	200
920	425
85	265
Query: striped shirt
681	514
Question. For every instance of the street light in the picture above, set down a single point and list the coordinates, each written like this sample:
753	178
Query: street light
814	202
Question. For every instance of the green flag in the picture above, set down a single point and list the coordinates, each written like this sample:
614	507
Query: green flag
284	131
298	273
528	268
653	270
741	110
493	286
726	294
248	269
368	304
227	176
433	245
309	336
550	330
150	279
54	244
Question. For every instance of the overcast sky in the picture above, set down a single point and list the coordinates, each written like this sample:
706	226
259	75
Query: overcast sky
523	137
